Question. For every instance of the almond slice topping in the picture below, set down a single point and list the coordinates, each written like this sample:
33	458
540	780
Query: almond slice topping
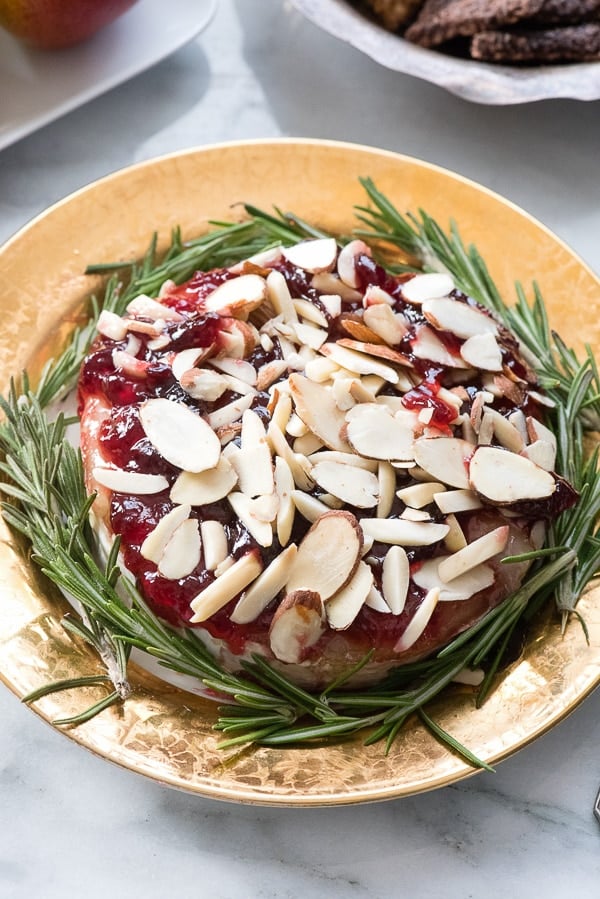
313	256
395	579
231	412
385	323
202	383
350	483
458	318
450	501
346	264
328	555
359	363
344	606
199	488
296	626
462	587
419	621
504	477
226	587
375	432
386	476
238	296
427	287
214	543
154	545
309	506
146	307
419	495
473	554
445	459
427	345
482	351
260	530
120	480
265	588
401	532
317	408
182	552
111	325
376	601
181	436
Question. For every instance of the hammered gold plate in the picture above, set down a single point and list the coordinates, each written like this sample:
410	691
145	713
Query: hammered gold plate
162	732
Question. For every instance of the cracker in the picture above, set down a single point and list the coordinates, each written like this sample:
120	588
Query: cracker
443	20
576	43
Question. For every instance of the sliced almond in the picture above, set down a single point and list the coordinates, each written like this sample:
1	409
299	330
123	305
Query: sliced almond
240	369
482	351
344	606
359	363
119	480
541	452
458	318
265	588
400	532
460	588
260	530
419	621
214	543
127	362
389	326
307	444
427	287
415	514
356	329
265	507
504	477
180	435
451	501
445	459
229	413
455	538
310	312
377	296
395	579
264	259
351	484
200	488
309	506
203	384
237	338
376	601
473	554
331	301
343	459
185	360
270	373
296	626
346	263
427	345
284	486
182	552
320	369
313	256
111	325
316	407
252	462
419	495
328	554
146	307
506	433
386	476
226	587
380	351
154	545
538	431
375	432
329	284
238	296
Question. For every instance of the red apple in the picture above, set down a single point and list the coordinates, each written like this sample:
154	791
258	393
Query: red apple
52	24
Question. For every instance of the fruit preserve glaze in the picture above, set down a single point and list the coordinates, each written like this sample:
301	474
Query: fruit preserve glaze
307	457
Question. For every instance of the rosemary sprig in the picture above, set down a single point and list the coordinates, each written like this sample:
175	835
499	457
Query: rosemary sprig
46	501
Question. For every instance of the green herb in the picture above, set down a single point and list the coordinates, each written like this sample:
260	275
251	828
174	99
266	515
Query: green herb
47	503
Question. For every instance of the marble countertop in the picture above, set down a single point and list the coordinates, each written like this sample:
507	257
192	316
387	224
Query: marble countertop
73	823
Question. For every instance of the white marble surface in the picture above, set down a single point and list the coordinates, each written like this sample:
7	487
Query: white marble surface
73	824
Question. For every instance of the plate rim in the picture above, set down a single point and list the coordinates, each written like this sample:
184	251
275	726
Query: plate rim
249	795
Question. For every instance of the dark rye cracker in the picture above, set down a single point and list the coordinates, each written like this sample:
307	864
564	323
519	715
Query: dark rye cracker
443	20
567	12
577	43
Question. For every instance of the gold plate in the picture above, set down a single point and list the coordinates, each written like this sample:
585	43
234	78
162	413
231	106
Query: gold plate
164	733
